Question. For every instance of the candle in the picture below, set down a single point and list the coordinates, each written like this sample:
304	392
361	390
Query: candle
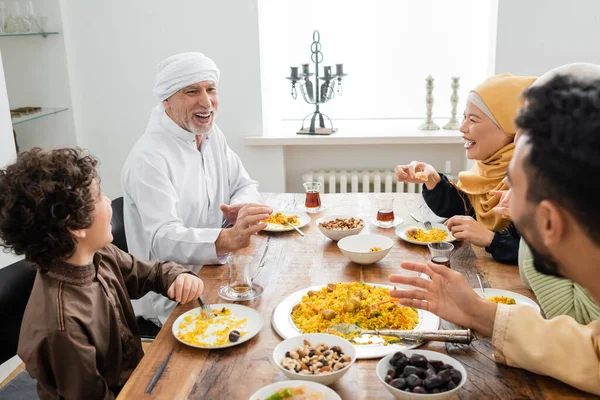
293	72
339	69
327	71
305	70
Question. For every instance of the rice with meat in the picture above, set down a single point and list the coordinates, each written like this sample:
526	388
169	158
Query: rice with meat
356	303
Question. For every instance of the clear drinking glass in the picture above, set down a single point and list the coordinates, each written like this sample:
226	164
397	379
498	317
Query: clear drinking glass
240	285
313	200
440	252
385	209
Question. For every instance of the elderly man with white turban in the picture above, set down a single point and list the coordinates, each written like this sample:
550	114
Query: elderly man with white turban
187	196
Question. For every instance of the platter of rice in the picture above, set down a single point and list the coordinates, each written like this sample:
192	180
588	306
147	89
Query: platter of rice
367	305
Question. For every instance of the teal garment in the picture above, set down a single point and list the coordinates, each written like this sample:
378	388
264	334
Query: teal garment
556	296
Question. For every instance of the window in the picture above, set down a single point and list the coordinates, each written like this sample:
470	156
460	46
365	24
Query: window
387	47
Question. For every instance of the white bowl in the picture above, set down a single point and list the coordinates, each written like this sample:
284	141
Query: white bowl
311	387
384	366
314	339
338	235
357	248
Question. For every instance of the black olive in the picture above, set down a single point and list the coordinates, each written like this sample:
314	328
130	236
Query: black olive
436	390
429	373
421	373
234	336
433	382
399	354
437	365
388	379
419	389
410	369
391	372
287	354
446	366
456	376
451	385
418	360
401	363
445	376
413	381
399	383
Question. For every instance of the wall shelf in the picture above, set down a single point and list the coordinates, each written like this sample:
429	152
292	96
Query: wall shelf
44	112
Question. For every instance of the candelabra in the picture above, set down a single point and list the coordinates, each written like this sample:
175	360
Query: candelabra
429	125
453	124
315	93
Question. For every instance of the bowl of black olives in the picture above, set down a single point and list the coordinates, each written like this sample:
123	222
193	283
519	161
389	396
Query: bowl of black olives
418	374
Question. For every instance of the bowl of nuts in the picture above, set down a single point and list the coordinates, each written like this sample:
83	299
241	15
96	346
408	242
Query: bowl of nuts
316	357
337	227
421	374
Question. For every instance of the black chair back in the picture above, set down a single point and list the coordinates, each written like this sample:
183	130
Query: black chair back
118	224
16	282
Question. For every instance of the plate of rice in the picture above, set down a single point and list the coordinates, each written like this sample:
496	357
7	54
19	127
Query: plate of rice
216	333
277	222
367	305
417	234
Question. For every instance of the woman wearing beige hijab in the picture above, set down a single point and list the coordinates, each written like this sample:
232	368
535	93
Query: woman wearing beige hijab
488	130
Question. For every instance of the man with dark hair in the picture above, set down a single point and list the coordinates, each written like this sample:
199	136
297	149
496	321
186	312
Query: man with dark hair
553	204
79	337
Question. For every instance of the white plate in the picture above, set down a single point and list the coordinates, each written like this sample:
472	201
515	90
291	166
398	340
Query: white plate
271	389
304	220
285	327
253	324
519	298
401	233
373	221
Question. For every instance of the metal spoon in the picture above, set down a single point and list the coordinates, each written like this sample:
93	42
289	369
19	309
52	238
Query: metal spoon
454	336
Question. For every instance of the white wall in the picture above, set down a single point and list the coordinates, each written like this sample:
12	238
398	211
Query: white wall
537	35
113	48
36	75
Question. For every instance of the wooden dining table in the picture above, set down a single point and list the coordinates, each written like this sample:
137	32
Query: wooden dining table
290	262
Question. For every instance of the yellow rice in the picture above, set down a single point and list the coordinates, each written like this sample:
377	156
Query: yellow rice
308	318
195	330
432	235
502	300
280	219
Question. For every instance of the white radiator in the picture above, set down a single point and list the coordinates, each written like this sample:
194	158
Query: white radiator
363	181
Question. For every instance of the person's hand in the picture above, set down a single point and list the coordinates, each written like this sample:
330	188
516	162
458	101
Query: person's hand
185	288
448	295
418	172
467	229
247	224
502	207
231	212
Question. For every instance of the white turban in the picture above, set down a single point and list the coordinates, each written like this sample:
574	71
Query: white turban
181	70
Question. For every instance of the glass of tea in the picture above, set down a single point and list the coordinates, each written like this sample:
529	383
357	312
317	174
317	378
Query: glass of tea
385	209
240	286
313	200
440	252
